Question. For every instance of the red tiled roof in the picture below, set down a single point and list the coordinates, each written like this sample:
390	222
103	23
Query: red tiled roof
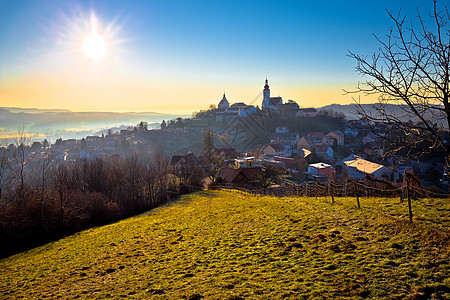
277	147
253	174
321	148
228	173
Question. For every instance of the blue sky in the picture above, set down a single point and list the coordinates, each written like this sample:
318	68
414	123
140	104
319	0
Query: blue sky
182	55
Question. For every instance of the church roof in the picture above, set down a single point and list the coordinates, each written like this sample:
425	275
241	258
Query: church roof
224	101
238	105
275	100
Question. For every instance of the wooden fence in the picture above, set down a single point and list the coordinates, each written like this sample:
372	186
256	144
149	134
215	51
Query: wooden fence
348	188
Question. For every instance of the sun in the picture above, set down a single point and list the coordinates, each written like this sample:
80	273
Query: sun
94	47
87	43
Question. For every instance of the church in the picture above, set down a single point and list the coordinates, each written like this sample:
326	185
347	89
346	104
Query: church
225	112
270	102
276	103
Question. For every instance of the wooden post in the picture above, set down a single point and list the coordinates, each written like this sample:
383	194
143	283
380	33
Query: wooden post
345	187
366	185
357	196
329	188
331	192
409	202
402	191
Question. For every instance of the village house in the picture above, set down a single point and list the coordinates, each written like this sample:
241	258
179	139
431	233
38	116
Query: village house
284	137
328	140
248	162
324	151
339	136
275	149
183	162
240	176
271	162
286	162
356	167
305	142
306	112
322	172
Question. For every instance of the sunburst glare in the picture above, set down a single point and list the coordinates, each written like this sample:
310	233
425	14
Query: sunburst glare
86	39
94	45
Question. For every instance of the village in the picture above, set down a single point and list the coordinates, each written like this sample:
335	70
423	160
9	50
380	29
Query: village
246	141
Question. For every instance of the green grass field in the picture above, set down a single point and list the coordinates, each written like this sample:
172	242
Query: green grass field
226	245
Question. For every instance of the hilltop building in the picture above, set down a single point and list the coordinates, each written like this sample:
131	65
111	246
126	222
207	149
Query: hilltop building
225	112
223	104
276	103
270	102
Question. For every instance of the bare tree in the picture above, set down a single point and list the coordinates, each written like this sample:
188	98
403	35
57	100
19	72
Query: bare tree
412	69
160	165
5	172
211	163
41	169
60	184
19	155
268	176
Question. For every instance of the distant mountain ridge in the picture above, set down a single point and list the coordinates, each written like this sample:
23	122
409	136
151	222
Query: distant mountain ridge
349	110
55	123
402	112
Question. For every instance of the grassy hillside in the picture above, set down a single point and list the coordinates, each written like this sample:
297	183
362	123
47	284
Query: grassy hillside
222	245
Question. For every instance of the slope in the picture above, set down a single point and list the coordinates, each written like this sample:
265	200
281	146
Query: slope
226	245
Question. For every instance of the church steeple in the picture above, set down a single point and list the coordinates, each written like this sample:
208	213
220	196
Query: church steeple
266	96
266	86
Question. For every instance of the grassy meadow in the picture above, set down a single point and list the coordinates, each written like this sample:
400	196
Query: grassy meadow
230	245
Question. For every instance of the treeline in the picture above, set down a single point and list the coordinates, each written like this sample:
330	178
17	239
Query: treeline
45	200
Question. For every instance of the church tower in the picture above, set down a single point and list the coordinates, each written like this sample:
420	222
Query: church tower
266	96
223	104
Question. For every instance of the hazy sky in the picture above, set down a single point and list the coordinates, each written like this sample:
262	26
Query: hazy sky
180	56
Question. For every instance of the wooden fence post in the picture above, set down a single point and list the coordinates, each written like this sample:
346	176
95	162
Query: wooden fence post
366	186
345	187
409	202
357	196
331	192
402	191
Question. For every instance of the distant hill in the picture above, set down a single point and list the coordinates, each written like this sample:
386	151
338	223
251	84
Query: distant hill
52	124
349	110
225	245
400	111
